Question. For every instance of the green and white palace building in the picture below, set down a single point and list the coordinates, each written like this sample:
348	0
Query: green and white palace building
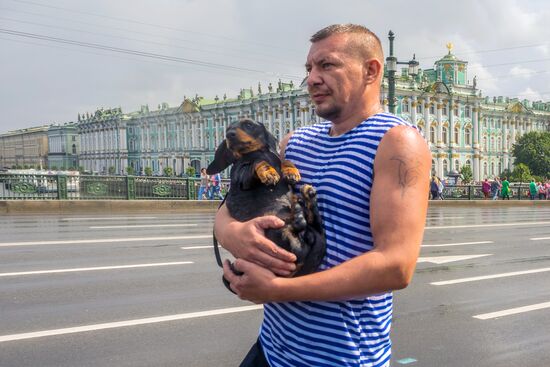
461	126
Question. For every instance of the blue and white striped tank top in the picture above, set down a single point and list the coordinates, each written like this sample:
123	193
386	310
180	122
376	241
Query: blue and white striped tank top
345	333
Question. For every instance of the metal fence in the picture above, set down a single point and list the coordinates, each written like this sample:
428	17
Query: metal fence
89	187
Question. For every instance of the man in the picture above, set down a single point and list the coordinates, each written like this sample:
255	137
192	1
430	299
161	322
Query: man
371	171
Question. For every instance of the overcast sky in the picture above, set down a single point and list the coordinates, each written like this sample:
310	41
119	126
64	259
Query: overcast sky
58	57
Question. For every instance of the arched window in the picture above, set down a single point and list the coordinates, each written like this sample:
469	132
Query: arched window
457	165
485	147
492	168
445	167
468	163
405	106
498	147
445	135
432	134
457	135
433	167
468	136
485	168
492	144
499	168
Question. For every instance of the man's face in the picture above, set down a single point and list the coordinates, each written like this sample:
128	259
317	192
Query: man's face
335	78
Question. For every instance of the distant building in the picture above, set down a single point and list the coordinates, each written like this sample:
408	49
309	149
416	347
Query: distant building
25	148
63	146
461	127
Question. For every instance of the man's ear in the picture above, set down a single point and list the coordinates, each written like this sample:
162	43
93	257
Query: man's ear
270	140
223	158
373	69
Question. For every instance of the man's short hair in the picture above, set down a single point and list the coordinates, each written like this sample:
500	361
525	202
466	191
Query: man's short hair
364	44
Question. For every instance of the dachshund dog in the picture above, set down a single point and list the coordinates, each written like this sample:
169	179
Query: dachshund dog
263	185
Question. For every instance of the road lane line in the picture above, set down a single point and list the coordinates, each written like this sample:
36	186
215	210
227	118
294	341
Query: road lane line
55	271
539	238
196	247
448	259
103	240
494	276
119	324
490	225
147	226
512	311
458	244
104	218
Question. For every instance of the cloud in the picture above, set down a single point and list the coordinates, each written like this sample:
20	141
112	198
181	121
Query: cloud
522	72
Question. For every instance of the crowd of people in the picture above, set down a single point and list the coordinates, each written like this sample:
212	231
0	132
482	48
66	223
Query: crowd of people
210	187
498	187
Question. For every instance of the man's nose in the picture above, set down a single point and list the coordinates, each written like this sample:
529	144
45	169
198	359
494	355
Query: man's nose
314	78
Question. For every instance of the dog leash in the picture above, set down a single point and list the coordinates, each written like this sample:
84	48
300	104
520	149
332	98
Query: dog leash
215	241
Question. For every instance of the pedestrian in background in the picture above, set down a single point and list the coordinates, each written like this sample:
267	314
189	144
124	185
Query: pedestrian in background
203	185
505	189
495	188
434	187
533	191
541	190
486	188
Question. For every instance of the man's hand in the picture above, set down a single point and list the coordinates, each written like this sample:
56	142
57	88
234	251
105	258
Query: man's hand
256	284
246	240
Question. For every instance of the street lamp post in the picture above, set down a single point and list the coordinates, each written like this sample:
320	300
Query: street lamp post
391	66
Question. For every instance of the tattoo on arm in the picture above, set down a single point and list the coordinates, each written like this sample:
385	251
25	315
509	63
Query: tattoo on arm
407	173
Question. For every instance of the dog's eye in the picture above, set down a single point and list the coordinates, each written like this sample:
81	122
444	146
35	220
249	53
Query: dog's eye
248	124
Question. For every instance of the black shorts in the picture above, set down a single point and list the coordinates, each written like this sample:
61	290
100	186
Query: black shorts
255	357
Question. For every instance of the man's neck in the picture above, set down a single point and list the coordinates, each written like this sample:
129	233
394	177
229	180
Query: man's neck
340	127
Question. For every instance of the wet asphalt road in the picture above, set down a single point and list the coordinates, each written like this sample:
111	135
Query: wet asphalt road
144	290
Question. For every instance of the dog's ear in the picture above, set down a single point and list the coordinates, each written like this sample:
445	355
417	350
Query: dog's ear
223	158
270	140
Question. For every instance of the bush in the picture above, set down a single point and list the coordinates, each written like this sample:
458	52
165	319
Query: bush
168	171
148	171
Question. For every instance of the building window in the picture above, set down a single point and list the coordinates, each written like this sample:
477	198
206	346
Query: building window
457	135
485	169
405	106
419	107
432	134
432	109
445	135
445	167
444	112
468	163
467	111
457	165
468	136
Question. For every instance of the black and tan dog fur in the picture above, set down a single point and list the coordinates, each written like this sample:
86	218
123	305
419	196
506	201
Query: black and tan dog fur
263	185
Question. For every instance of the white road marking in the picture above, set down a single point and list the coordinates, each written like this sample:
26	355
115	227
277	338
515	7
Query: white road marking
147	226
443	217
104	218
135	322
55	271
539	238
448	259
458	244
490	225
494	276
513	311
102	240
196	247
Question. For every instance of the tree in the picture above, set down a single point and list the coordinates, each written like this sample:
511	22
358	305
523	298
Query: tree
148	171
130	170
521	173
466	172
168	171
190	171
533	150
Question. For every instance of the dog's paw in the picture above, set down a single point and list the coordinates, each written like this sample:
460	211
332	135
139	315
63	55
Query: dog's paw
290	172
267	174
308	192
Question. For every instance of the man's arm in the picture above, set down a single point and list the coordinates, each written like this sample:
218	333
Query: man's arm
398	205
